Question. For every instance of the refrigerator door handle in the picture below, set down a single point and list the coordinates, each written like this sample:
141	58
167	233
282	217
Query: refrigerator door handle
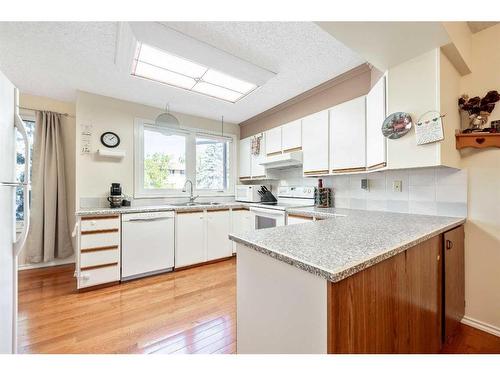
19	124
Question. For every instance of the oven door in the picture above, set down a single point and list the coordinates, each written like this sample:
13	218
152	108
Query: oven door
268	218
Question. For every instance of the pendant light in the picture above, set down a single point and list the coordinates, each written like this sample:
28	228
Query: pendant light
167	120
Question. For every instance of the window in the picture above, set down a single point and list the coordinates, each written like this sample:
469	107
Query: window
166	158
211	163
20	162
160	66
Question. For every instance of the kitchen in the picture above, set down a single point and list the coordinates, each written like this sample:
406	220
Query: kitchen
202	213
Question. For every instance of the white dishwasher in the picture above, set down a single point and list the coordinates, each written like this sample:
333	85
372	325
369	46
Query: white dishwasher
147	244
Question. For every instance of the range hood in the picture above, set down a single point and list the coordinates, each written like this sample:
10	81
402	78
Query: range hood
289	159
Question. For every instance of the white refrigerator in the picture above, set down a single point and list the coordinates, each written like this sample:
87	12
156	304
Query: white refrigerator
10	246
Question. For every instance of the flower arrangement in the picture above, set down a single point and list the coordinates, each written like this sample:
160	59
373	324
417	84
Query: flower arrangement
478	110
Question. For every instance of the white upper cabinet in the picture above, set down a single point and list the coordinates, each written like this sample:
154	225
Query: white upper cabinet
257	170
347	136
375	116
273	141
245	158
315	141
291	136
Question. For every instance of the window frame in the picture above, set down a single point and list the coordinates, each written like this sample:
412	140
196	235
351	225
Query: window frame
26	115
191	133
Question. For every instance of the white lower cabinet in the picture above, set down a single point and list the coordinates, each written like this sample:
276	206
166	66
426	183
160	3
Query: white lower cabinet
243	220
190	239
98	255
218	243
295	219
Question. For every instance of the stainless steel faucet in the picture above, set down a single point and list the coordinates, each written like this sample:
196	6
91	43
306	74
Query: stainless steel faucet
191	196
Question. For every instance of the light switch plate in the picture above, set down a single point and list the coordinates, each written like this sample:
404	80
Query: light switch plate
397	186
364	184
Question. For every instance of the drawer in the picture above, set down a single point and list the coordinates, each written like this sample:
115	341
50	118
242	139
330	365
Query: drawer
91	241
95	258
98	276
92	223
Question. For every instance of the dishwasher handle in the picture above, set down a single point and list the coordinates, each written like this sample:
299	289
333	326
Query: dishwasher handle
149	219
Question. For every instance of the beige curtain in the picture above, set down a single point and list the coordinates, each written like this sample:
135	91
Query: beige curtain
49	233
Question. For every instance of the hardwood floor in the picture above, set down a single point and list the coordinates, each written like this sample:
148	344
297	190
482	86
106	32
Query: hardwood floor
189	311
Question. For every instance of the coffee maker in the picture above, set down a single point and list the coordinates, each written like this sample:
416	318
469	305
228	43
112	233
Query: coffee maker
115	197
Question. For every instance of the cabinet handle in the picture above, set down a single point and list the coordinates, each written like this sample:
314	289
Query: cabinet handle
449	245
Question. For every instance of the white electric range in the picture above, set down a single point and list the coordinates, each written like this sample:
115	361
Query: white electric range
274	215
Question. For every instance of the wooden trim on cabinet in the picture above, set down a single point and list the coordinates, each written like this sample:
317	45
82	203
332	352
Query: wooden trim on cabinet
261	176
274	153
292	149
98	266
98	286
301	216
350	74
245	177
217	209
99	231
376	166
241	209
102	248
347	170
204	263
102	217
317	172
197	211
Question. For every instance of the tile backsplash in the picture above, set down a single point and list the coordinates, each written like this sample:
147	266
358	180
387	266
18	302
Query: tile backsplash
431	191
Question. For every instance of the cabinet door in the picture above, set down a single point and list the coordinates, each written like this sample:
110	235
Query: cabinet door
245	158
454	280
347	136
190	239
259	171
273	141
218	243
291	136
242	221
315	141
295	219
375	116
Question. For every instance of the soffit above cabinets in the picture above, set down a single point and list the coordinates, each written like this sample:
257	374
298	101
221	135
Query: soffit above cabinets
55	59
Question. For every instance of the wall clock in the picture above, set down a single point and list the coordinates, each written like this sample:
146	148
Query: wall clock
110	139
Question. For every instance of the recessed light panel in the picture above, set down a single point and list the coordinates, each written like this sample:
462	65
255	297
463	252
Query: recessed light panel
158	65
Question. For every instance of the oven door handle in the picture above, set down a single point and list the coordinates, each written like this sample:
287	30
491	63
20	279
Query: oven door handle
269	213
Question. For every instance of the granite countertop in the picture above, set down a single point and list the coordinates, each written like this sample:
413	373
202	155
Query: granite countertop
348	242
98	211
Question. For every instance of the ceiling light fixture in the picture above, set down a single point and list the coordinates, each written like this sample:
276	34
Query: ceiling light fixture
158	65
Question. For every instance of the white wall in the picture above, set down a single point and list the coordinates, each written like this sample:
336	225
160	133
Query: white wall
94	175
482	230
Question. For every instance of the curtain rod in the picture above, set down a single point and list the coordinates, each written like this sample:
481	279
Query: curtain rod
35	109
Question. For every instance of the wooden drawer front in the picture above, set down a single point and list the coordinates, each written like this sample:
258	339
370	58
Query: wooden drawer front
89	241
100	224
98	276
96	258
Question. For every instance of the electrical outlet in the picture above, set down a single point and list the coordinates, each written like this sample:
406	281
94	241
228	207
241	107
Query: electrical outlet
397	186
365	184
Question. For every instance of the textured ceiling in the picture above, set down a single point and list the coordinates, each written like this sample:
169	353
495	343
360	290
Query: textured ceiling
55	59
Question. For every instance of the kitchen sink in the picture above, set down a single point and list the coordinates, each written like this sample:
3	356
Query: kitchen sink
188	204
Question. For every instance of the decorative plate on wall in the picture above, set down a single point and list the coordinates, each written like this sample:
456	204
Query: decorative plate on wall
396	125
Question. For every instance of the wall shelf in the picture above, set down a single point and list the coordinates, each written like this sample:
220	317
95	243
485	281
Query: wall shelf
477	140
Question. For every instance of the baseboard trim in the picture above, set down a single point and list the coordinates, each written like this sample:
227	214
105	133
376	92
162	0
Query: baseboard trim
57	262
481	325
